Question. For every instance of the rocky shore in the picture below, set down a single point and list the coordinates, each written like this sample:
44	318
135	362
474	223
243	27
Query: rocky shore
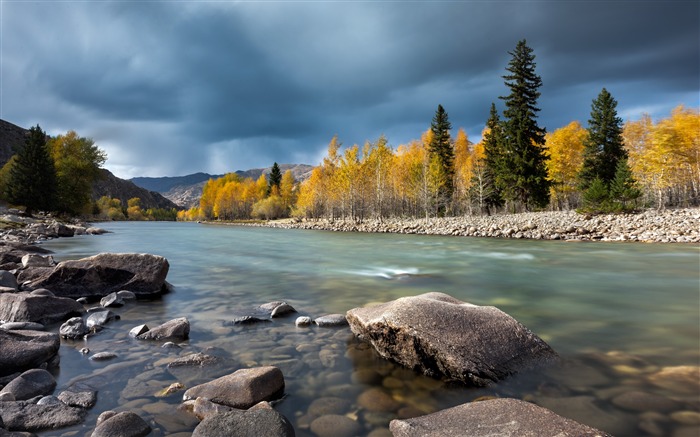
652	226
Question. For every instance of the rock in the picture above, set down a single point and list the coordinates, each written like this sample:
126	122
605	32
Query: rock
100	319
34	382
24	307
303	321
42	292
498	417
442	336
331	320
100	275
261	422
194	360
277	308
49	400
138	330
34	260
62	230
375	399
73	328
103	356
124	424
244	320
22	326
176	329
95	231
7	397
335	425
202	408
585	409
328	405
126	295
172	388
642	401
243	388
690	418
8	280
83	399
22	350
26	416
680	379
112	300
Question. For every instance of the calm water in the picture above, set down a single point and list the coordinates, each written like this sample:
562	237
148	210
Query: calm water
617	313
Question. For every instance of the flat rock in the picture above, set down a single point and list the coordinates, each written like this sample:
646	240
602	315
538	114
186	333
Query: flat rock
25	307
241	389
34	382
262	422
22	350
124	424
82	399
441	336
176	329
22	326
331	320
26	416
498	417
102	274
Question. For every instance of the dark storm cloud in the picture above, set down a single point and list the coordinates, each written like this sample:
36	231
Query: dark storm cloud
173	88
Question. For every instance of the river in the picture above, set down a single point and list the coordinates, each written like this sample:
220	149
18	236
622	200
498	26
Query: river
618	313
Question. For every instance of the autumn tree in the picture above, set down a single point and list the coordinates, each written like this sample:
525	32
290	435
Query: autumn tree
463	171
525	180
287	184
442	153
77	161
565	153
31	180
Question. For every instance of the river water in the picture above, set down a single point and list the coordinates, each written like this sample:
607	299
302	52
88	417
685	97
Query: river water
624	317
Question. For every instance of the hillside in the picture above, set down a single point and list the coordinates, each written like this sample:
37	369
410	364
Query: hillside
185	191
12	135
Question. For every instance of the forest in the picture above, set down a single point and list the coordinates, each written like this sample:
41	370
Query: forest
607	166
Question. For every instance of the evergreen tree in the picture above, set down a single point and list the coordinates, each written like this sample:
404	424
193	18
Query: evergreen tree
623	188
440	147
275	177
604	147
32	177
490	182
524	175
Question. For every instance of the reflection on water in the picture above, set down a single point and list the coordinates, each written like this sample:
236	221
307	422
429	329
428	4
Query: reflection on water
624	317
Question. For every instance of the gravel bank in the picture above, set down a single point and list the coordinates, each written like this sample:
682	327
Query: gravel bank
669	226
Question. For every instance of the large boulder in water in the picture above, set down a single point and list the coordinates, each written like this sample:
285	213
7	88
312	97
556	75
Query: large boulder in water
100	275
242	389
22	350
44	309
441	336
501	417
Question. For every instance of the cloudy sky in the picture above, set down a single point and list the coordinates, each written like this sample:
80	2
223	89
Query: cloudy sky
175	87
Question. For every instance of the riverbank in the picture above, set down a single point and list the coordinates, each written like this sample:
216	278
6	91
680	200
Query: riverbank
652	226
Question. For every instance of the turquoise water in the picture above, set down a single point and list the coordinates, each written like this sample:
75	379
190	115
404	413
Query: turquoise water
622	311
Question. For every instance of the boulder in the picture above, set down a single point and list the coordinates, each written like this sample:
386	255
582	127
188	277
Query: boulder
176	329
26	416
100	275
501	417
8	280
112	300
242	389
73	328
124	424
262	422
22	350
25	307
35	260
61	230
441	336
34	382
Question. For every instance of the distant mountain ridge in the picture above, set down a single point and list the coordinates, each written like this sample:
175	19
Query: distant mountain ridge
12	136
185	191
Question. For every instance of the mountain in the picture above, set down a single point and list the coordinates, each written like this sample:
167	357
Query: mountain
12	135
185	191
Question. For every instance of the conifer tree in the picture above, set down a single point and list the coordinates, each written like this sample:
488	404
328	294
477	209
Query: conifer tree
603	148
32	177
440	147
491	182
524	175
275	177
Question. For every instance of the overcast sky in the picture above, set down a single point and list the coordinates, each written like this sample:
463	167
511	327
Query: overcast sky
169	88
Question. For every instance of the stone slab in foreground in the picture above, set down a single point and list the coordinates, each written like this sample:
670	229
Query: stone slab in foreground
441	336
498	417
100	275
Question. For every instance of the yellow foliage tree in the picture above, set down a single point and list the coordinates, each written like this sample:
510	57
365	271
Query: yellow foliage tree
564	147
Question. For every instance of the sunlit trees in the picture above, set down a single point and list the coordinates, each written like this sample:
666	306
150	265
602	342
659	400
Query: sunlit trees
565	153
77	161
463	171
525	179
31	180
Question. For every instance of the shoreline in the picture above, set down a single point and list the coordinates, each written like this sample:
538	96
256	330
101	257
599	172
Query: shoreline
649	226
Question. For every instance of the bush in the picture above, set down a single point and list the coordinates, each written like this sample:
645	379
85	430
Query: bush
270	208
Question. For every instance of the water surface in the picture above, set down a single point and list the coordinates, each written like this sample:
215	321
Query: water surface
616	312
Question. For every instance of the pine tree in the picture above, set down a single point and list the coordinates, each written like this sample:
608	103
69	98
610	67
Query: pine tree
275	177
524	176
440	147
490	182
32	178
604	147
623	188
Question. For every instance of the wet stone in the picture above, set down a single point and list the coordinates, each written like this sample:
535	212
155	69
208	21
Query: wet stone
101	318
22	326
691	418
124	424
643	401
138	330
35	382
303	321
335	425
112	300
331	320
328	405
103	356
73	328
82	399
376	399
